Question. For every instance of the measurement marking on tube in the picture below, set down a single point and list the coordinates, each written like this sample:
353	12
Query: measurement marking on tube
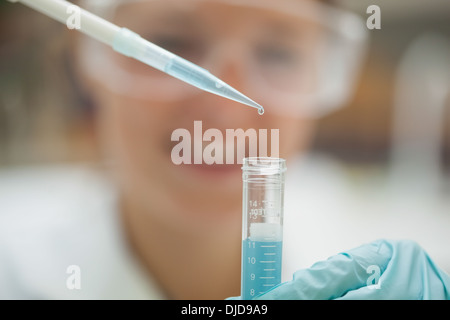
268	246
268	285
269	254
268	261
267	277
269	269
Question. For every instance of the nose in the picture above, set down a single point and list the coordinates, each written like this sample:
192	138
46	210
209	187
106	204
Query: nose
226	61
226	64
224	110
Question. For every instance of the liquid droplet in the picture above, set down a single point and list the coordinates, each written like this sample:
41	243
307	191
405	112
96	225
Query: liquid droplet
261	111
218	85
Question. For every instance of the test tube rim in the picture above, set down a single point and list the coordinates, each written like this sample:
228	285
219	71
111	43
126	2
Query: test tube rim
263	165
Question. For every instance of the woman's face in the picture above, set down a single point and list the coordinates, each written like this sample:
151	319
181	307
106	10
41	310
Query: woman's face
136	133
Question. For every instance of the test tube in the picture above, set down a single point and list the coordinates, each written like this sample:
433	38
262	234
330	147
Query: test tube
262	224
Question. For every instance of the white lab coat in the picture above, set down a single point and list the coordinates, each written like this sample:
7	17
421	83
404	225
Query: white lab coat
56	217
53	218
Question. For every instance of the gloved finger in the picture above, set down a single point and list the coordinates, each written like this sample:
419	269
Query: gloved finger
411	274
335	276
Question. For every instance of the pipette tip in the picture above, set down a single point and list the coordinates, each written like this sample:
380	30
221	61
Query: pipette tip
233	94
245	100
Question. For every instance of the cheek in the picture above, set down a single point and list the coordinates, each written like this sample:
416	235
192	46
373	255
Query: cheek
137	139
133	135
295	135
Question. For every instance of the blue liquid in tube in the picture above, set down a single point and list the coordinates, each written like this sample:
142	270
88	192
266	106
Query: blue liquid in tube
261	267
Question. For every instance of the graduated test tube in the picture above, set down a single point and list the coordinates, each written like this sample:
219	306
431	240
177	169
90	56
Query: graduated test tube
262	224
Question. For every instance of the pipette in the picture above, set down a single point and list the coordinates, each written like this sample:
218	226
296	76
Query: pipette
132	45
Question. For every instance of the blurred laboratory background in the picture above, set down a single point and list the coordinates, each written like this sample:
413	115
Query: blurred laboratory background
393	137
408	60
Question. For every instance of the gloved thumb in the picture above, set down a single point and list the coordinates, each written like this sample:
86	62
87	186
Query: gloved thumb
335	276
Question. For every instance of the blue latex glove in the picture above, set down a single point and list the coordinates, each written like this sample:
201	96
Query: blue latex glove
379	270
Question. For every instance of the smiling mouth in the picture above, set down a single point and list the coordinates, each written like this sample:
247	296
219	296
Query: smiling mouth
215	152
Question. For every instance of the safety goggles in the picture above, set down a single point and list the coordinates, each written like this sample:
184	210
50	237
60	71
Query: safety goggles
296	57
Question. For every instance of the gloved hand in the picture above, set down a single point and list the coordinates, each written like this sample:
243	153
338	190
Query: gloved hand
379	270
